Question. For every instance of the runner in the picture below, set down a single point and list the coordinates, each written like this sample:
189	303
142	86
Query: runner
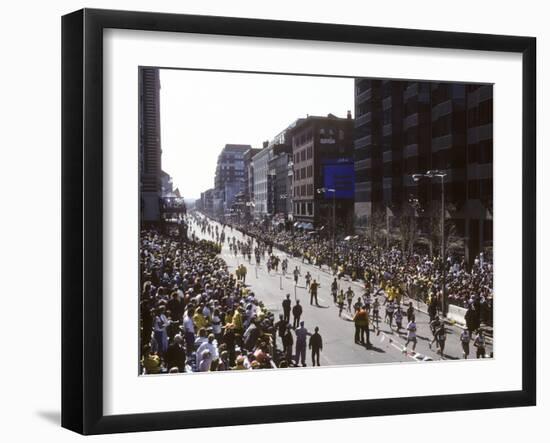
341	298
398	319
390	308
313	292
479	343
441	336
296	275
375	314
411	335
465	341
349	297
334	290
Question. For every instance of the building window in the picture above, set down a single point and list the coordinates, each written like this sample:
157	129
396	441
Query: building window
302	154
310	208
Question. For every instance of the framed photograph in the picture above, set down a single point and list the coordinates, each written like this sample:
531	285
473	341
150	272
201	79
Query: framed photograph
269	221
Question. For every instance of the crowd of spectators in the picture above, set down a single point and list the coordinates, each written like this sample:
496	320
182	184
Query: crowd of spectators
195	316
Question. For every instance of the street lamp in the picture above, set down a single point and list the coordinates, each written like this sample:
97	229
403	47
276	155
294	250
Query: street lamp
324	191
430	175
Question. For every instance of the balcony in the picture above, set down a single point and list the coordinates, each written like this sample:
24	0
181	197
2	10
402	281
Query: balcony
363	164
479	133
363	119
443	142
410	92
442	109
363	96
363	142
481	94
410	121
410	150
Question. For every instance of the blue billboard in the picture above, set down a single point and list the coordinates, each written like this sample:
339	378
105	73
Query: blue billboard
339	174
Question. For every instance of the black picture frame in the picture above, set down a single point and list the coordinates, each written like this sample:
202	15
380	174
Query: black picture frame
82	215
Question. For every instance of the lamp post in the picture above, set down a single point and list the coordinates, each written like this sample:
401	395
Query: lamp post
430	175
324	191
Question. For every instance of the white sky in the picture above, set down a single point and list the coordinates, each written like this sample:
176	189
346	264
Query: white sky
202	111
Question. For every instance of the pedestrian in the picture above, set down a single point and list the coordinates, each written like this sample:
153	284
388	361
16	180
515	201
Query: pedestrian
376	313
434	325
390	307
316	346
465	341
411	335
349	297
288	341
361	321
301	343
286	308
432	308
308	279
211	345
313	292
296	313
280	327
479	344
334	290
441	337
216	325
296	273
189	330
340	299
398	319
175	354
410	312
160	326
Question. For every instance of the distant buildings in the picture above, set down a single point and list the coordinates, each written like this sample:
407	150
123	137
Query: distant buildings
249	174
207	201
404	128
260	165
230	176
149	144
322	159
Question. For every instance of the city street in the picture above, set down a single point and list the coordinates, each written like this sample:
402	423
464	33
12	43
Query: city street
339	347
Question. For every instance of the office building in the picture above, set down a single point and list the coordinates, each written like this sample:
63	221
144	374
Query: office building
404	128
149	145
322	159
230	176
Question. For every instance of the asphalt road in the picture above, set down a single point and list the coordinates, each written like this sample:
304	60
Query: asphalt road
339	347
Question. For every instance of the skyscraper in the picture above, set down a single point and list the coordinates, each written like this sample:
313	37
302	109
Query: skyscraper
404	128
149	144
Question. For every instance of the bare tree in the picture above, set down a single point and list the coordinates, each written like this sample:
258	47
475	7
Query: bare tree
408	232
377	227
451	237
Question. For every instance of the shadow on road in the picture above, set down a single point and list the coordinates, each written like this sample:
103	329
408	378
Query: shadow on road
374	348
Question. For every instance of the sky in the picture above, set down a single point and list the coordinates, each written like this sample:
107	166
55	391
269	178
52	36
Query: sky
203	111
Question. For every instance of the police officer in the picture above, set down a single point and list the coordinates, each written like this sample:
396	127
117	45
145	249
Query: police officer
286	308
316	346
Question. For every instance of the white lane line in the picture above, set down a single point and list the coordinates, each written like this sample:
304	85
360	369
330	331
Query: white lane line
399	348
